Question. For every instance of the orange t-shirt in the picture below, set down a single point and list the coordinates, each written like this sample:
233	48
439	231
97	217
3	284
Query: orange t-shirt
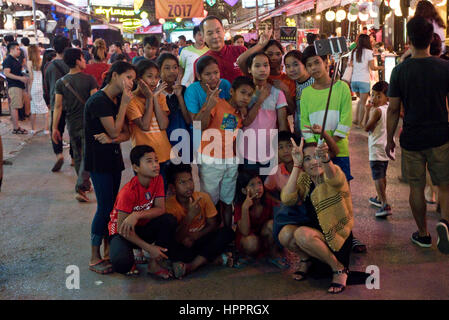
155	137
285	79
226	120
208	210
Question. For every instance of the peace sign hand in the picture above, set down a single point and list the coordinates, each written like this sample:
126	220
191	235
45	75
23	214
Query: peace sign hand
248	203
212	98
297	153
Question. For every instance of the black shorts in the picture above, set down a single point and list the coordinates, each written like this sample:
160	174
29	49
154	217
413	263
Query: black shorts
378	169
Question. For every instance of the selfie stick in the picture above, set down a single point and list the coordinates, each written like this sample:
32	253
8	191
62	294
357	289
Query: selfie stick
337	52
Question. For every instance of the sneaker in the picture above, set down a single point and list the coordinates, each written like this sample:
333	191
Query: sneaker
65	145
384	211
375	202
423	242
443	236
46	132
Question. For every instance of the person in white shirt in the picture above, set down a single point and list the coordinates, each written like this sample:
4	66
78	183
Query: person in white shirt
362	61
189	55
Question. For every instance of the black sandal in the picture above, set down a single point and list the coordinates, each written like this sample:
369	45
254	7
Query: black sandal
19	131
303	274
338	285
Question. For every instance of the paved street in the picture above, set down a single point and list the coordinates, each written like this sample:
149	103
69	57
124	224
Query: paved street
44	229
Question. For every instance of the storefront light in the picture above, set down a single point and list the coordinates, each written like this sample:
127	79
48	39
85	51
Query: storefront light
411	12
318	17
395	4
309	18
161	20
363	16
374	11
398	12
330	15
178	19
352	17
341	15
442	3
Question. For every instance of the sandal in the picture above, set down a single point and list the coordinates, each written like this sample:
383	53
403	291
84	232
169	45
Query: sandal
338	285
101	267
19	131
303	274
279	262
179	269
134	271
227	260
162	273
140	258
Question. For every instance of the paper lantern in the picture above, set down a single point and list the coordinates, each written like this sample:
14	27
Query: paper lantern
309	18
341	15
352	17
330	15
363	16
374	11
318	17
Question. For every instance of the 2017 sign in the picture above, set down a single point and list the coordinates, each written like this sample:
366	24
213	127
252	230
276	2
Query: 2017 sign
171	9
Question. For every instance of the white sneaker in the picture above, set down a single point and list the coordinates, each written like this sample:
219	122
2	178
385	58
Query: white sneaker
46	132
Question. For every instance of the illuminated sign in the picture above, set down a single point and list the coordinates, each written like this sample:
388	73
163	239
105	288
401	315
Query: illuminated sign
131	23
290	22
172	9
115	12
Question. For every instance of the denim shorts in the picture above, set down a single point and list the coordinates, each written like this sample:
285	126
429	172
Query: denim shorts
378	169
345	166
360	87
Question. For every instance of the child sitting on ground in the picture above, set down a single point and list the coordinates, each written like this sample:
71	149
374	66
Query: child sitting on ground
254	218
375	122
138	219
219	166
198	233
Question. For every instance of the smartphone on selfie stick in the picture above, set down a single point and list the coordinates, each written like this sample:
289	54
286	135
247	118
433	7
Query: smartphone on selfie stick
335	47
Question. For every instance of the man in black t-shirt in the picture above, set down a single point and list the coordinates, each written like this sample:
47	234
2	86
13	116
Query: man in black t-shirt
421	83
71	94
12	69
55	70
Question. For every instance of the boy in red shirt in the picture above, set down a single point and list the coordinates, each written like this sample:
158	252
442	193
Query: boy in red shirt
138	218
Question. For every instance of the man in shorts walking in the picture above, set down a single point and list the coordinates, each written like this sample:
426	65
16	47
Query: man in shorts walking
421	83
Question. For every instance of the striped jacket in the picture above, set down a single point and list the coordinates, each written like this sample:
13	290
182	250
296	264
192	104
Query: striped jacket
333	205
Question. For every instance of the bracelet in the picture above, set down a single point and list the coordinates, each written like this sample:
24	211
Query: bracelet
326	161
294	166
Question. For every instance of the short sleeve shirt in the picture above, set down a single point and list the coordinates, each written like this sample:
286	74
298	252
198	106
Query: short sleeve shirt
16	69
134	198
224	120
100	157
227	61
187	60
360	70
154	137
422	85
97	70
278	180
55	70
195	95
287	81
208	210
82	84
266	119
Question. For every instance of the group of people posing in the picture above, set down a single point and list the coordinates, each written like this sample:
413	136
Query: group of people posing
241	212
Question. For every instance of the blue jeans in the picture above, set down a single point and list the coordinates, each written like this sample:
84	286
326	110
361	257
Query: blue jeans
106	186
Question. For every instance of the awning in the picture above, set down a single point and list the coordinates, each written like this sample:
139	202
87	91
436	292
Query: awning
322	5
305	5
61	7
279	11
149	30
248	22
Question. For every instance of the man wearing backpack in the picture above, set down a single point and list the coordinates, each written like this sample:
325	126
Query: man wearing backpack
71	94
55	70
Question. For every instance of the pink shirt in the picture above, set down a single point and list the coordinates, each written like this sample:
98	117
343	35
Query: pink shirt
259	147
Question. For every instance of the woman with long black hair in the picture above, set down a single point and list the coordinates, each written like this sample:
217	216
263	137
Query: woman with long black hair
362	61
105	129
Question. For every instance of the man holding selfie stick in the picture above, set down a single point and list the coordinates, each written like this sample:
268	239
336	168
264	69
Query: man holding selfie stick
328	104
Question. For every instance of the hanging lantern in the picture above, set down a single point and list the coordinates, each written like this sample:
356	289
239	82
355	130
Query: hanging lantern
352	17
395	4
318	17
341	15
330	15
309	18
161	20
363	16
374	11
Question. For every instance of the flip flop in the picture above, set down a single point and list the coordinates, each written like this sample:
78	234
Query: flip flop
101	267
58	165
179	269
134	271
162	273
279	262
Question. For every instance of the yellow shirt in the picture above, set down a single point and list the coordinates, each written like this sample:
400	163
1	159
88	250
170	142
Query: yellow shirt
154	137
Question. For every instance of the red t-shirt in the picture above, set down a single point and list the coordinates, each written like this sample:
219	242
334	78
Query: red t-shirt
97	70
135	197
227	61
285	79
256	223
